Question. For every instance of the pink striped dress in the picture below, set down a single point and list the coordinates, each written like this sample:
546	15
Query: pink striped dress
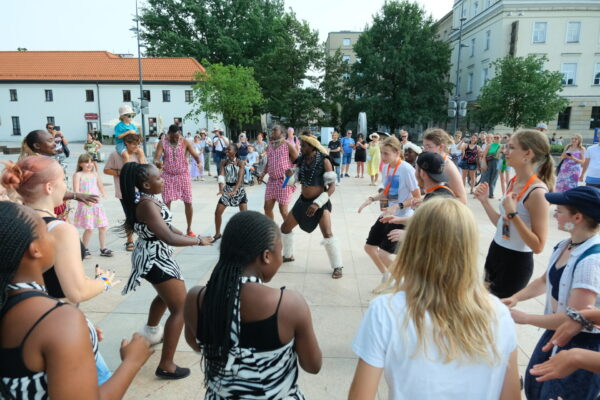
178	184
278	162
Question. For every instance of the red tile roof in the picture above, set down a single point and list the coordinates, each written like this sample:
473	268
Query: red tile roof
92	66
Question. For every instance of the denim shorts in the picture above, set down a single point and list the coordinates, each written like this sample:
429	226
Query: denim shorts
347	159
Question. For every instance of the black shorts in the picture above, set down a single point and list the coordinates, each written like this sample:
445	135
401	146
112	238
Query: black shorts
378	236
306	223
507	271
157	275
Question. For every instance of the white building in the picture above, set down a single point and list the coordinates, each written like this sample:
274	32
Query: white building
81	91
566	32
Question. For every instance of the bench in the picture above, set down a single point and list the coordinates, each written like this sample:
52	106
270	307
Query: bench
11	150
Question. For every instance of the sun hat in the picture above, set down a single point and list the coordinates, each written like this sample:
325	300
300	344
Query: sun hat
586	199
413	147
374	135
125	109
314	142
433	164
541	125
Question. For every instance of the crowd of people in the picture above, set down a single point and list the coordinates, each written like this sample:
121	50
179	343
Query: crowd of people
438	329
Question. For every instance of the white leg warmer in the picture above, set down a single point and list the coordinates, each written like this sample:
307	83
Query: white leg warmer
288	244
332	247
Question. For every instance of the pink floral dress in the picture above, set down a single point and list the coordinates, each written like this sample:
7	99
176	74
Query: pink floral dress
92	216
570	171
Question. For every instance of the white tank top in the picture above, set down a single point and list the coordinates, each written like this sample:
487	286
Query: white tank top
515	242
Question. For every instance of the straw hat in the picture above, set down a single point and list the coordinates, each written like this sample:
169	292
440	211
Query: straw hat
374	136
125	109
314	142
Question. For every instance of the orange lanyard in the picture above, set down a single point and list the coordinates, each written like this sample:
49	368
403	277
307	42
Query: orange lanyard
522	192
437	187
387	188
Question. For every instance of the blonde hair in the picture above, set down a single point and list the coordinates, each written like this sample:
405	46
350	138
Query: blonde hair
439	137
393	143
537	142
84	158
28	175
580	140
436	268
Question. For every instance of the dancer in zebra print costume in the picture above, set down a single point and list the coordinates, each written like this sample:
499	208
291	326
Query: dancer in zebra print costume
250	354
152	258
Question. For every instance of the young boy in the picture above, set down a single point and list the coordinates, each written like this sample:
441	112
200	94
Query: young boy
124	128
251	163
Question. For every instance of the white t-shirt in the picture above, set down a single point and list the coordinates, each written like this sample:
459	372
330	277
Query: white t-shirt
593	153
382	343
402	183
220	143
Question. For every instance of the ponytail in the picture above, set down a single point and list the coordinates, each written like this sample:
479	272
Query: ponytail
546	172
132	176
537	142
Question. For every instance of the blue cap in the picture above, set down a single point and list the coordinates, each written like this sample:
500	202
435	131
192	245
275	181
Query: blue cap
586	199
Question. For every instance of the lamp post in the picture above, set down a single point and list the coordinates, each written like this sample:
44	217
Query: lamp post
460	46
143	104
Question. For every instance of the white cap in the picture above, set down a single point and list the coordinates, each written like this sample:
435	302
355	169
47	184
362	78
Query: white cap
125	109
413	147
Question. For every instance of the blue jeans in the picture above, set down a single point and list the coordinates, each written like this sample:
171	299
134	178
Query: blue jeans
102	369
347	158
337	169
490	175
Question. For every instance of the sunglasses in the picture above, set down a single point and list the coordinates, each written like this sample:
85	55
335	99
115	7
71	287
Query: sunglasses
50	128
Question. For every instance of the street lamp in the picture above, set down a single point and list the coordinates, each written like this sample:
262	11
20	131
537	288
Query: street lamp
143	102
457	86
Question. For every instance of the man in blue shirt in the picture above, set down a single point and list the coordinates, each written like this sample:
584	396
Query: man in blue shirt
347	147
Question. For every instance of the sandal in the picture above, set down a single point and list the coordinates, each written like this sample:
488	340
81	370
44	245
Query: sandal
215	238
178	374
337	273
106	252
289	259
191	234
86	253
129	246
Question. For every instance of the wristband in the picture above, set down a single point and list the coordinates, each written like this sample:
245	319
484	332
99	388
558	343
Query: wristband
321	200
577	317
74	196
221	179
106	283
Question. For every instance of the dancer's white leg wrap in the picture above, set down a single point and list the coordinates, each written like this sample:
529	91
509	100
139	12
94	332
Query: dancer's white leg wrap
332	247
288	244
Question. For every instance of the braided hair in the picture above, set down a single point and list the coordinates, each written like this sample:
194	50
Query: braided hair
132	176
17	231
247	235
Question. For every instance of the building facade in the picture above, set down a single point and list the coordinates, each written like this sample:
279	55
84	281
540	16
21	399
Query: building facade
566	32
82	92
344	41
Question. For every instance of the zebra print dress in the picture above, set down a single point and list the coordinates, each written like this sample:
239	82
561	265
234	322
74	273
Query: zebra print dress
150	251
255	375
231	177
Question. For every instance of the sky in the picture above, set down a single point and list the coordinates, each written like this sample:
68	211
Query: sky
105	24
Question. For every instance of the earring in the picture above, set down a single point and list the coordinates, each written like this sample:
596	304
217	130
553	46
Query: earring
569	226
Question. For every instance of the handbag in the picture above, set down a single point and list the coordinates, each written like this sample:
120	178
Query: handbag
559	165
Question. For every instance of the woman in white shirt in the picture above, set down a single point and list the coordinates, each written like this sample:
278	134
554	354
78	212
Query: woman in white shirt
591	166
439	334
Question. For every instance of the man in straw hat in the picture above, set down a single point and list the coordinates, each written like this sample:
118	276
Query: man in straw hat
127	127
315	173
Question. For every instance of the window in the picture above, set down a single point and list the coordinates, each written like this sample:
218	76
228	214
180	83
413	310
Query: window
89	95
475	8
16	126
539	32
488	39
472	47
484	76
345	76
48	94
573	31
569	71
13	94
188	96
126	95
346	59
470	83
50	120
146	95
346	42
166	96
595	118
597	74
464	12
564	118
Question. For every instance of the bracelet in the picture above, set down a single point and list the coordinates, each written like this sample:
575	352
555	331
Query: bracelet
106	283
577	317
74	196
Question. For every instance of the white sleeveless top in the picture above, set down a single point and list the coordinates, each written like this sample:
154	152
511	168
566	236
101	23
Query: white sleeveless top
515	242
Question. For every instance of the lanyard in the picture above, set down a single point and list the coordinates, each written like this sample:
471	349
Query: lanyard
437	187
522	192
387	187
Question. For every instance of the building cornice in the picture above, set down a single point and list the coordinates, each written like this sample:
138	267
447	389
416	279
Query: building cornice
136	83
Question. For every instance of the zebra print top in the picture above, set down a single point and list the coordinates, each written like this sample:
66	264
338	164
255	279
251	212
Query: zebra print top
255	375
150	251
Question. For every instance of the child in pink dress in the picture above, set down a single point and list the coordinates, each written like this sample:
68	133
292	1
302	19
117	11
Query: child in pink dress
93	216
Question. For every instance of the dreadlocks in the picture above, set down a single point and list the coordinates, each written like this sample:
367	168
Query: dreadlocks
132	176
247	235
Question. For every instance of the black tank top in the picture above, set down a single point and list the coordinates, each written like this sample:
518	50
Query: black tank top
12	367
50	279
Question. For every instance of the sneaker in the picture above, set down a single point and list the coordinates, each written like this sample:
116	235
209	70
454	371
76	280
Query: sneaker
154	334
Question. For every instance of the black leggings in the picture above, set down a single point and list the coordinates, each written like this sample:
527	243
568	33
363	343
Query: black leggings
507	271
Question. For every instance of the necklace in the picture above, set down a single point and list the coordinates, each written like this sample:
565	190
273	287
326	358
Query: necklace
572	244
45	211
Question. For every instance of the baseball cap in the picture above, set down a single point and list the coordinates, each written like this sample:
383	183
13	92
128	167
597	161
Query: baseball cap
542	125
586	199
433	164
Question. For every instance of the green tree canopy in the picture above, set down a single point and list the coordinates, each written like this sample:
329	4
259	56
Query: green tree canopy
227	90
254	33
401	75
522	93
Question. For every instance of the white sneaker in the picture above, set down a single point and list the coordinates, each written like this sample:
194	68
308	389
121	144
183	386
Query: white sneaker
154	334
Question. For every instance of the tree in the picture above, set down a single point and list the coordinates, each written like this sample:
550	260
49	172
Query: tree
228	90
522	93
252	33
333	87
401	75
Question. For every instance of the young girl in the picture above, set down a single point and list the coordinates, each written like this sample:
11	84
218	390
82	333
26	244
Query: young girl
373	159
41	338
152	259
251	165
197	169
569	169
439	334
90	217
239	324
522	220
470	162
91	146
231	186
